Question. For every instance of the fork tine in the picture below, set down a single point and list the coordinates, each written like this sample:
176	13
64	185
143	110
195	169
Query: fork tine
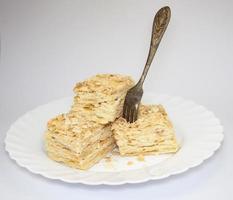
136	112
128	114
124	111
132	113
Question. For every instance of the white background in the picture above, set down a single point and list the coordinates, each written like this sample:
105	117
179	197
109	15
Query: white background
47	46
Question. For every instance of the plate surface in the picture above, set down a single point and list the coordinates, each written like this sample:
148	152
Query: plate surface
198	131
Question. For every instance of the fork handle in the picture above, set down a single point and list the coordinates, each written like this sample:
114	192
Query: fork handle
160	24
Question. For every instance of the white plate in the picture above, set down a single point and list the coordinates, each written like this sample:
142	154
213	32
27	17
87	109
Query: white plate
198	130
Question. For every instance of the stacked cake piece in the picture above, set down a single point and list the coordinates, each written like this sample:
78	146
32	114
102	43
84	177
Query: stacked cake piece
152	133
77	143
83	136
101	98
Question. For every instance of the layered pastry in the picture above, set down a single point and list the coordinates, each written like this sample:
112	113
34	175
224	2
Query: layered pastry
93	126
101	97
152	133
77	143
83	136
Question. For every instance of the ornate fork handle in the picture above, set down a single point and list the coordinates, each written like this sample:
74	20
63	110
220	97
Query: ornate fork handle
160	24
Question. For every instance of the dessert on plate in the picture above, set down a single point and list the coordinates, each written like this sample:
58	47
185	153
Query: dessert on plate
151	133
93	126
83	136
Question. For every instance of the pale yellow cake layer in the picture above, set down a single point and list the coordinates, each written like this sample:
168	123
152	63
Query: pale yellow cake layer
53	145
152	132
101	112
75	133
83	161
107	84
77	143
101	97
87	149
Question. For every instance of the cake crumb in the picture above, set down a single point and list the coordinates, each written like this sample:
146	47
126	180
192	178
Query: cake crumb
140	158
108	159
115	152
129	163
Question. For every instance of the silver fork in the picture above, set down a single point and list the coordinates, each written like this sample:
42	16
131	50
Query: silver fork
134	95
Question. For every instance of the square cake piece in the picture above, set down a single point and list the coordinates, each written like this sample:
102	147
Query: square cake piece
83	136
100	98
152	133
76	143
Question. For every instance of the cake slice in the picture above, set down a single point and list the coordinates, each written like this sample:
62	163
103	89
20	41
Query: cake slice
83	136
100	98
76	143
152	133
